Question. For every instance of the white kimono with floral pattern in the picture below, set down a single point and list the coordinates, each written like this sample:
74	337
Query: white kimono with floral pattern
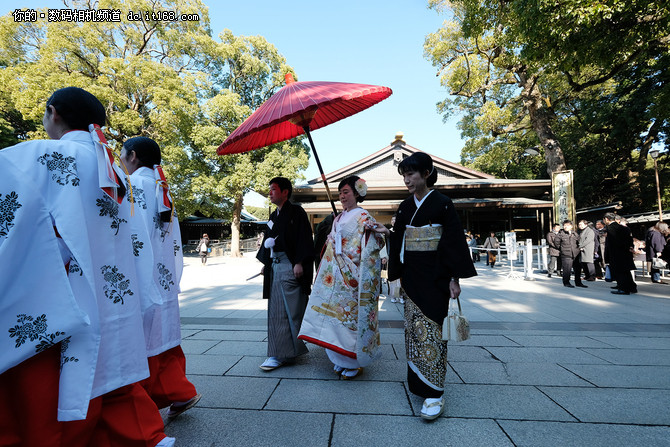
159	264
95	242
342	311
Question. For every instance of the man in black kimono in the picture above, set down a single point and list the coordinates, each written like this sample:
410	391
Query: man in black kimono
287	254
619	255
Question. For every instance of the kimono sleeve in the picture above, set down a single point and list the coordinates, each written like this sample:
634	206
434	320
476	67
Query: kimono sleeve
395	244
263	254
453	254
304	250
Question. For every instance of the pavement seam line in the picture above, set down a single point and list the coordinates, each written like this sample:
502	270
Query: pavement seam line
233	366
409	400
577	375
332	430
559	405
505	432
455	372
271	394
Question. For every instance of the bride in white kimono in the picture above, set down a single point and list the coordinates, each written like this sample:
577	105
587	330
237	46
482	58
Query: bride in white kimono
341	314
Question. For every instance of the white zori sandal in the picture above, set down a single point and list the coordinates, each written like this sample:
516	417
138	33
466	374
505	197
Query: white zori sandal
432	408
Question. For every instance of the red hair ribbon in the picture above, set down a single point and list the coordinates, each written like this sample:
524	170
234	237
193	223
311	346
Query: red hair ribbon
110	180
163	192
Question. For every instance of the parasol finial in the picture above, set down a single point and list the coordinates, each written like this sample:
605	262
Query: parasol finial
288	77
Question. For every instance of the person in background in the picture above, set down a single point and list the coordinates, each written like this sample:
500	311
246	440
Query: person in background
472	244
492	244
554	252
599	253
654	244
159	262
568	245
203	248
619	249
587	243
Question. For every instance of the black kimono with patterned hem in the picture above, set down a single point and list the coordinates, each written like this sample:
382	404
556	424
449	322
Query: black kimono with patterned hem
425	277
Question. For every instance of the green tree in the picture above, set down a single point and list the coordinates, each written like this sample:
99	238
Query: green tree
169	80
546	72
496	91
248	71
261	213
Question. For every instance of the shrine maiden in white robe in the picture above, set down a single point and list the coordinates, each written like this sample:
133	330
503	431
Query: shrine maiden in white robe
157	250
96	241
342	311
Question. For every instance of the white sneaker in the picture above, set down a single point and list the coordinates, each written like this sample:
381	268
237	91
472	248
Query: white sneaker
394	300
402	300
432	408
271	363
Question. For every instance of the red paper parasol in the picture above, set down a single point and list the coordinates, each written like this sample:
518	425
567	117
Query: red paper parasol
300	107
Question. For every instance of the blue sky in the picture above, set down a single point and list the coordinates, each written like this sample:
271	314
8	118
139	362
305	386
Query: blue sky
371	42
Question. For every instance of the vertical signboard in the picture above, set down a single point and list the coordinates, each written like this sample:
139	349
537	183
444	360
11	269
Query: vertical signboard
510	244
564	197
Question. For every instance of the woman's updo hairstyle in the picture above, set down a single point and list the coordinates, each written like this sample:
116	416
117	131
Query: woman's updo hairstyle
77	107
351	181
146	150
419	162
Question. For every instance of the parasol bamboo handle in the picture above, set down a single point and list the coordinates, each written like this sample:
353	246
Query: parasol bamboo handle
318	163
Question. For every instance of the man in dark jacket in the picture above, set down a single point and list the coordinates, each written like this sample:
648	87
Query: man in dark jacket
654	245
567	243
619	255
287	254
554	253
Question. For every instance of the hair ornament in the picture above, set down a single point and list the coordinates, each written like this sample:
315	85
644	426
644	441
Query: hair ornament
361	187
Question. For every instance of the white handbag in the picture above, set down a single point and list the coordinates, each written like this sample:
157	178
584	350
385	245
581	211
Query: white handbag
659	263
455	327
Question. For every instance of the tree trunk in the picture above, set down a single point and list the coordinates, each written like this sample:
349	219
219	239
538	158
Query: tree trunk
540	118
235	228
652	137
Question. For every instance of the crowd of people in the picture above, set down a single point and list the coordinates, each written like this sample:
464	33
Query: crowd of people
604	250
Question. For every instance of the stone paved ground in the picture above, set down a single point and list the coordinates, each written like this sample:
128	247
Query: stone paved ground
545	366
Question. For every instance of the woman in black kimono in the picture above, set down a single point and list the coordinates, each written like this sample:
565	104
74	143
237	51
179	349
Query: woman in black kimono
429	254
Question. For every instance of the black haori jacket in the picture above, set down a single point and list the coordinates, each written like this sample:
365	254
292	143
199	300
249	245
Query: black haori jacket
294	233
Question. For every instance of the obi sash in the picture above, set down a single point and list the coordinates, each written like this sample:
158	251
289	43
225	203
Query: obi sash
425	238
